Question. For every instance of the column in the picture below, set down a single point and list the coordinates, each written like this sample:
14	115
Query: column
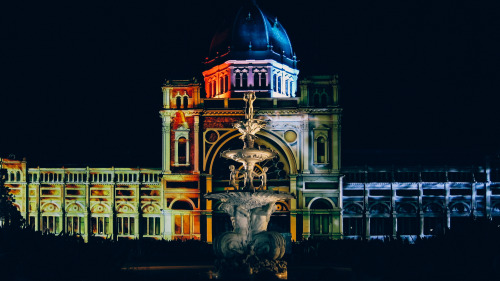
367	225
293	207
473	199
166	144
447	202
187	150
88	230
196	144
420	210
168	233
209	209
305	146
335	147
306	224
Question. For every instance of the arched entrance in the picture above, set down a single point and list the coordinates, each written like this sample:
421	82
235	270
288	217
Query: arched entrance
278	171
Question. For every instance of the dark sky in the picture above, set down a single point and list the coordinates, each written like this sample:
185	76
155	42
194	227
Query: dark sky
81	81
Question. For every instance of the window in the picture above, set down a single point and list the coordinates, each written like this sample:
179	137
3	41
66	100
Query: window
323	100
181	157
320	224
75	225
226	84
263	80
321	146
125	225
185	101
182	224
286	87
238	80
100	225
151	226
316	100
182	150
353	226
291	88
275	82
433	225
221	85
408	226
32	222
380	226
256	80
50	224
244	80
279	84
214	88
178	102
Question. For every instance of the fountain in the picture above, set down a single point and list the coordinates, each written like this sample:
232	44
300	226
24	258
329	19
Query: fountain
249	249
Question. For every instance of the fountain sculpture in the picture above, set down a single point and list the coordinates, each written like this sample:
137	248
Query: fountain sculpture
249	249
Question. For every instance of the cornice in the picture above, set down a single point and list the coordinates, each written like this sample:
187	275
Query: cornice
187	112
223	112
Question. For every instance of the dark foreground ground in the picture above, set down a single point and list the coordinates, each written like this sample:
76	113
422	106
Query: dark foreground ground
468	253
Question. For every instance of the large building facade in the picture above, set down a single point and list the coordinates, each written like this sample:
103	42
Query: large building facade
303	117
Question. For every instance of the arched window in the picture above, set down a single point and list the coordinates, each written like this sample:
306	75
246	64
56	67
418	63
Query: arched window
178	102
185	101
256	80
321	150
316	100
279	84
181	150
18	176
214	88
181	205
238	80
244	79
275	78
323	100
320	223
263	80
226	85
221	85
291	88
286	88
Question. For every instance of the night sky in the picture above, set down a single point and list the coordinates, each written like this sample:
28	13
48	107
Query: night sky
81	83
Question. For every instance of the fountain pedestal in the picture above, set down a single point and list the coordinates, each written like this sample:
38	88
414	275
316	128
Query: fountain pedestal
249	249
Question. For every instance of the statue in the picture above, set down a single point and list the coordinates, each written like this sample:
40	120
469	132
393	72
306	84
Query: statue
249	98
233	177
263	178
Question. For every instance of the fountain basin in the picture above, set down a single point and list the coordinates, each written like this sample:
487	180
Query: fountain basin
249	200
249	155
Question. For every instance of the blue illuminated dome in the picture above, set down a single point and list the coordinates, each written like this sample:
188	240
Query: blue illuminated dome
252	35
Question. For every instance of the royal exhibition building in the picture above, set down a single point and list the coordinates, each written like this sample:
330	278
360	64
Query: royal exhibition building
303	126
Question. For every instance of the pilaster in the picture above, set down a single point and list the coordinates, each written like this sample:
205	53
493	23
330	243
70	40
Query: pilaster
166	143
305	147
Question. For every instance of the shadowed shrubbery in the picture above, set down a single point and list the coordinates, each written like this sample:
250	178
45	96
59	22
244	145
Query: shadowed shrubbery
468	252
31	255
471	251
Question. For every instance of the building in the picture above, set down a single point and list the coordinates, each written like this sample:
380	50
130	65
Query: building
303	117
253	53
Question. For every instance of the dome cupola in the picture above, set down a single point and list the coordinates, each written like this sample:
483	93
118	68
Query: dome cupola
252	35
252	53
